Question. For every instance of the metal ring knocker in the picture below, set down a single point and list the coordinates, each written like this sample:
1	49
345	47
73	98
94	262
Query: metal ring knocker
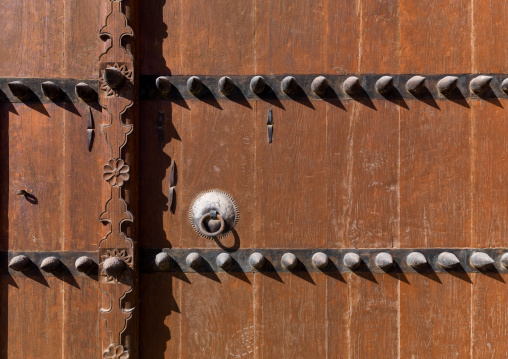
212	215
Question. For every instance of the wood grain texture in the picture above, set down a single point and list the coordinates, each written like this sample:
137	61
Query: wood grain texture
159	225
290	36
435	316
435	36
207	331
218	153
435	165
338	317
291	316
32	37
36	164
291	177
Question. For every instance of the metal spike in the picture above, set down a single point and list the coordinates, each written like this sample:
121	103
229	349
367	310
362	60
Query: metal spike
447	84
224	261
269	126
113	77
19	263
384	85
257	84
447	260
172	174
226	85
504	260
504	86
320	85
163	261
51	90
194	260
352	260
289	85
85	92
352	85
50	264
481	260
384	260
416	260
480	84
416	85
113	266
257	260
289	261
320	260
84	264
19	89
194	85
89	129
171	198
163	84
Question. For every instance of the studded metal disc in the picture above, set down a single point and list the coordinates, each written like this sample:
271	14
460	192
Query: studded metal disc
216	200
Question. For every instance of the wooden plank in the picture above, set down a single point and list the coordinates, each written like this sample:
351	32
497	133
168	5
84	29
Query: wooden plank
4	175
32	39
290	36
81	42
35	312
435	36
218	40
218	152
338	317
435	316
159	225
36	164
435	175
489	24
291	316
160	316
160	35
374	316
291	176
217	317
80	322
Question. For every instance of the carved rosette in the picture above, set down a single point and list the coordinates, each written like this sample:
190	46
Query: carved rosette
116	250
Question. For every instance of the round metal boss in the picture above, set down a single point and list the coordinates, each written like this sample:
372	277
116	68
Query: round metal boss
213	214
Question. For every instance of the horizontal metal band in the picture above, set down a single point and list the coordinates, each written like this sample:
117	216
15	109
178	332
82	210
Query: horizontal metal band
273	92
67	87
272	261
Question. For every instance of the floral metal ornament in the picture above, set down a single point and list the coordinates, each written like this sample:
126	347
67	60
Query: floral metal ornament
122	255
116	172
116	351
128	74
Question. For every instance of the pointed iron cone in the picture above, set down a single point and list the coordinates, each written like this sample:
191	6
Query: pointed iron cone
85	92
226	85
481	260
352	260
447	84
289	85
19	263
84	264
163	85
19	89
51	90
257	84
384	85
384	260
416	259
447	260
416	84
289	261
352	85
162	261
320	85
480	84
320	260
504	260
113	77
50	264
224	261
194	85
504	86
257	260
194	260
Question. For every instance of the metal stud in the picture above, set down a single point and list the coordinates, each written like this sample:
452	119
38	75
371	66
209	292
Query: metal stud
50	264
320	85
289	261
352	260
162	261
194	85
51	90
224	261
504	86
481	260
257	260
352	85
384	260
194	260
84	264
447	84
19	263
320	260
19	89
257	84
504	260
289	85
384	85
447	260
480	84
416	260
226	85
163	85
416	84
113	266
85	92
113	77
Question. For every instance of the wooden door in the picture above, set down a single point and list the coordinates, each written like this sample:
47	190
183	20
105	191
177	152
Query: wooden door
354	151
